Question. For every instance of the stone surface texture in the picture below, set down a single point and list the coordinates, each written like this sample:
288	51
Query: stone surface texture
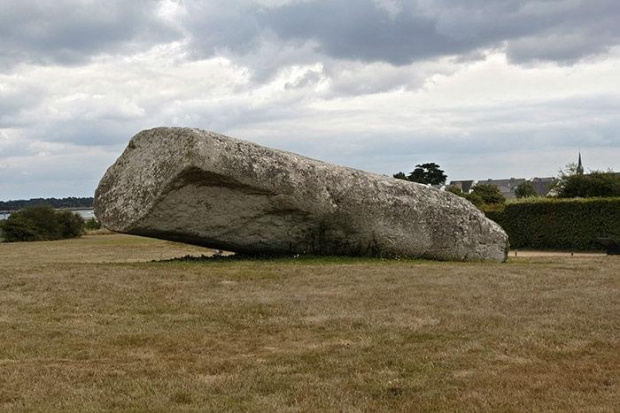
204	188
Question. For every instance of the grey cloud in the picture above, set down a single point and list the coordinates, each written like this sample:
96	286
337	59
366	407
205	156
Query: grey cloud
13	102
70	31
310	78
215	28
353	30
563	31
364	79
565	48
362	30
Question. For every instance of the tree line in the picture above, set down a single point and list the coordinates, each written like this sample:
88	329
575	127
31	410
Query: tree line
70	202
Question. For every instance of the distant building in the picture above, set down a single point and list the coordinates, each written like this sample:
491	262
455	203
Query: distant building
543	185
579	169
464	185
506	186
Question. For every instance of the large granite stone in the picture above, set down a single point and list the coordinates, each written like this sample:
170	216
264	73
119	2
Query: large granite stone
203	188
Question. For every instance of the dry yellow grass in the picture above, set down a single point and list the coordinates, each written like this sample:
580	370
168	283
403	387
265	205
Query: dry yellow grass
92	325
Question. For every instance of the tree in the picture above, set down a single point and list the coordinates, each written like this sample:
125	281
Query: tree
42	223
71	224
18	228
70	202
92	224
456	190
473	198
428	173
525	189
595	184
572	183
489	193
401	175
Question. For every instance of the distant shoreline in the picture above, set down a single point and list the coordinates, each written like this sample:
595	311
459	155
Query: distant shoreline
74	203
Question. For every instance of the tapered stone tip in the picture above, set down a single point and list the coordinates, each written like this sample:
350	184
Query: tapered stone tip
204	188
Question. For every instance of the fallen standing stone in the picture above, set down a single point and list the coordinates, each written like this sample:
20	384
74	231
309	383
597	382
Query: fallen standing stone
203	188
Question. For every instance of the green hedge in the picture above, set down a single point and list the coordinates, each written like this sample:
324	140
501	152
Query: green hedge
567	224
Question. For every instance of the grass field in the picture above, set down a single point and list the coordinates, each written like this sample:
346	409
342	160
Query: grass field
92	324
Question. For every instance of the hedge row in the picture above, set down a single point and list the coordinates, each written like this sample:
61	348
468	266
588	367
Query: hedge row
567	224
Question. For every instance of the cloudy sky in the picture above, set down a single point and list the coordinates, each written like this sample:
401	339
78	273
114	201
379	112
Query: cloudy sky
485	88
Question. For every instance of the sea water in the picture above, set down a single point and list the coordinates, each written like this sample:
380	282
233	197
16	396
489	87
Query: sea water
84	213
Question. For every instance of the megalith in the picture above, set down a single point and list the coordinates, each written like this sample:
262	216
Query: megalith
203	188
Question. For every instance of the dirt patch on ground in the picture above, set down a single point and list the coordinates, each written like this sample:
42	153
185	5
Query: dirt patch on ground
534	253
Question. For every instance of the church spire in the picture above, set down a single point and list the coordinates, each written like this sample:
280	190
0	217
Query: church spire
579	165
